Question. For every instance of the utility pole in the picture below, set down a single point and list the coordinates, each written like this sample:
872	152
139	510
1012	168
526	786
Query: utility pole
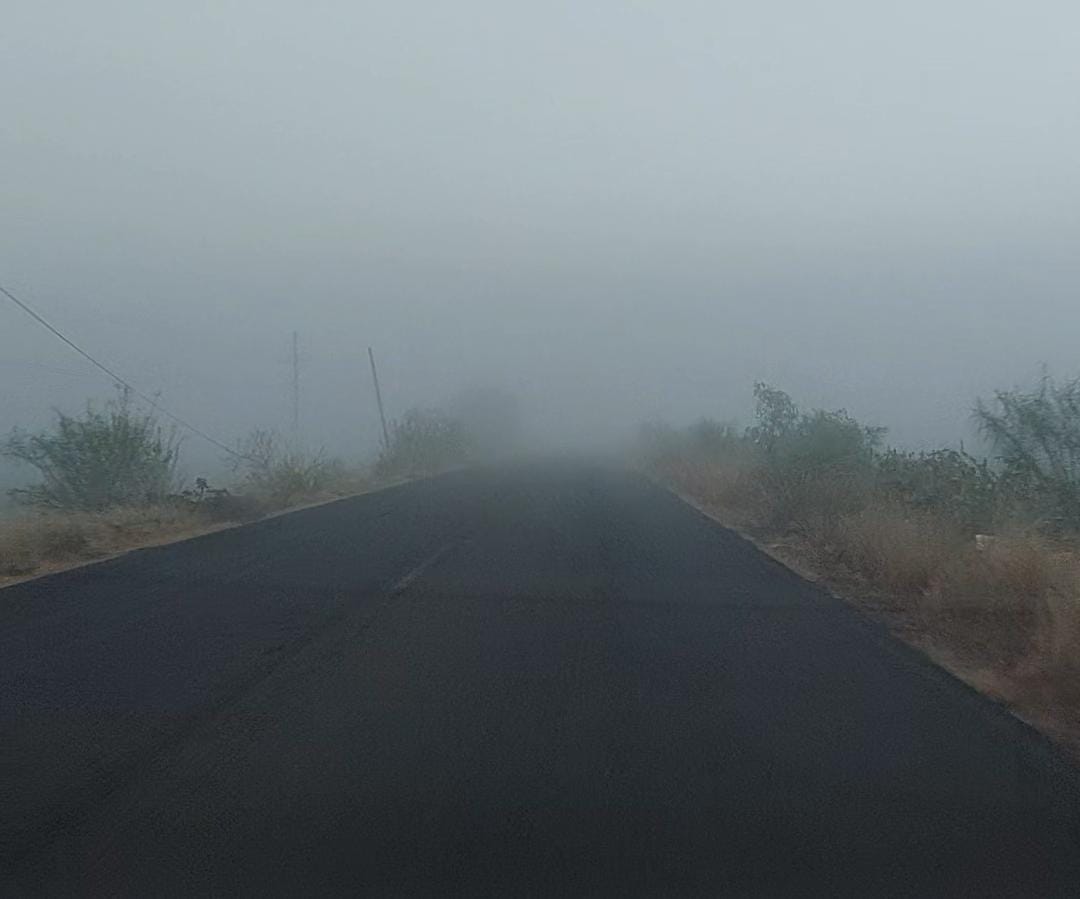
378	399
296	391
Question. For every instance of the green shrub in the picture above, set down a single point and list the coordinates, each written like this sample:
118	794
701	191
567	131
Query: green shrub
111	457
815	466
422	442
280	475
1036	437
949	482
706	439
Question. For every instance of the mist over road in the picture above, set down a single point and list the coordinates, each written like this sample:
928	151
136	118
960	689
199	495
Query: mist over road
541	680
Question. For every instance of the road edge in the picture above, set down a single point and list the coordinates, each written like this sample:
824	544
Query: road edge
1001	716
210	530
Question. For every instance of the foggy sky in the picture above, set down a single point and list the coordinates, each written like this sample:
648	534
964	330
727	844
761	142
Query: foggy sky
617	210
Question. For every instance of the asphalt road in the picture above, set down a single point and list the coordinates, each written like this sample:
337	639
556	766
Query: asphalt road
552	681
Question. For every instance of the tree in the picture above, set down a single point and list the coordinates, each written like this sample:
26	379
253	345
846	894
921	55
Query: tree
776	415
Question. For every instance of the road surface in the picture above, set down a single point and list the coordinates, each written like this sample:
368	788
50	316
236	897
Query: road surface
551	681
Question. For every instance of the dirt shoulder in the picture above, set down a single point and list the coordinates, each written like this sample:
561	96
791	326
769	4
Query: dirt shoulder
1031	667
37	545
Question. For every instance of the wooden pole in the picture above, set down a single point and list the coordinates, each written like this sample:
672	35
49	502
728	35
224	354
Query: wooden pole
296	391
378	399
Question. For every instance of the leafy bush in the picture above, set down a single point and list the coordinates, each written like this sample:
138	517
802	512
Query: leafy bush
948	482
815	466
422	442
1036	436
816	440
283	476
107	458
830	440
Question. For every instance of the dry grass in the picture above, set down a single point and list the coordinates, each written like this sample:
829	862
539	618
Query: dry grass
1006	617
41	542
37	543
893	548
1012	613
727	487
992	608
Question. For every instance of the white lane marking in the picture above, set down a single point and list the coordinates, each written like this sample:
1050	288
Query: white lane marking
402	585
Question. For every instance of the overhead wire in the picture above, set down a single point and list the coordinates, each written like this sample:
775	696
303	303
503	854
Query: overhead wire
123	382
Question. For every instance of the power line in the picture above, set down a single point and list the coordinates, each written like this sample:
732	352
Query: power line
121	381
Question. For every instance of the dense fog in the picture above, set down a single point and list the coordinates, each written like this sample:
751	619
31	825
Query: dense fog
615	211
